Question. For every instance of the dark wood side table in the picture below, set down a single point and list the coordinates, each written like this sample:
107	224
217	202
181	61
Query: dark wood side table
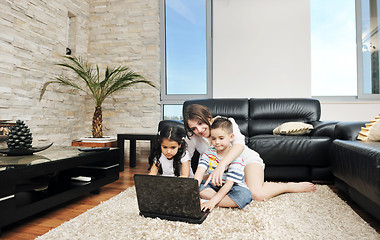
132	151
60	167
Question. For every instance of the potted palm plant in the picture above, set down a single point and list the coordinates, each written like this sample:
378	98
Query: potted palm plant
89	81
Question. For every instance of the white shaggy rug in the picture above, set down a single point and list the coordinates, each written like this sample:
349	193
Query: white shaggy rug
318	215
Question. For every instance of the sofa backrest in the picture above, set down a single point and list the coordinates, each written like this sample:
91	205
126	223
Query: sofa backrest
237	108
261	115
265	114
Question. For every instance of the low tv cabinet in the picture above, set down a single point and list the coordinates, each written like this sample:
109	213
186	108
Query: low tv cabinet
31	184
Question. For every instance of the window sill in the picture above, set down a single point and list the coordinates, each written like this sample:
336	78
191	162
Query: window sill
348	100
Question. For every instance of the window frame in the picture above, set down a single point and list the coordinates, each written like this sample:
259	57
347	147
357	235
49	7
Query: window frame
360	96
178	99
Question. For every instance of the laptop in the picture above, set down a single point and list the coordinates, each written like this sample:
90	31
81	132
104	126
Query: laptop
170	198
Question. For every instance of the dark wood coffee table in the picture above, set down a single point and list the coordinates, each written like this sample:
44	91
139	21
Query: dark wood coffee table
31	184
132	141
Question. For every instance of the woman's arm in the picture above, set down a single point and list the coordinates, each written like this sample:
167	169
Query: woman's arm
216	176
185	169
153	169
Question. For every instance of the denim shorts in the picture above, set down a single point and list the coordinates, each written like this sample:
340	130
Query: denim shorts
240	195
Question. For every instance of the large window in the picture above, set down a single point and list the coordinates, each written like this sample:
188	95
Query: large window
333	48
344	48
186	53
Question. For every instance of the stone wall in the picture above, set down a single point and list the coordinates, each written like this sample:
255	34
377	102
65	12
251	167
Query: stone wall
34	36
127	33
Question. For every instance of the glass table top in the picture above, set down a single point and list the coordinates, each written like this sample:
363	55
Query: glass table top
53	153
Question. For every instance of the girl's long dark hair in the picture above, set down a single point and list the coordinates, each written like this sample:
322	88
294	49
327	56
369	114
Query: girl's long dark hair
172	133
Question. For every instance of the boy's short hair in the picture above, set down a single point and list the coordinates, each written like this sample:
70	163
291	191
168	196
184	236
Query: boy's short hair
223	123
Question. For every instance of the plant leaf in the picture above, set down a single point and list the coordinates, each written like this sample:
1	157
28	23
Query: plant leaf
115	79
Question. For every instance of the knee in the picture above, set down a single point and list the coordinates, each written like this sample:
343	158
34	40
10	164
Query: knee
258	196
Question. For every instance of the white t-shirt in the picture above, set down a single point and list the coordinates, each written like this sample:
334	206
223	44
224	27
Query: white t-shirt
167	165
201	144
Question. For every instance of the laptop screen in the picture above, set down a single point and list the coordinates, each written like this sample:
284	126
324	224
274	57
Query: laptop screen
171	196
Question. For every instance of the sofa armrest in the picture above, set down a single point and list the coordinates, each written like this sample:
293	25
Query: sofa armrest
348	130
323	128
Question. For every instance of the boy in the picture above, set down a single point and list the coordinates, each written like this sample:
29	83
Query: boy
234	192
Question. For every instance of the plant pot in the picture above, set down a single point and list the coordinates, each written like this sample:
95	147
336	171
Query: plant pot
99	140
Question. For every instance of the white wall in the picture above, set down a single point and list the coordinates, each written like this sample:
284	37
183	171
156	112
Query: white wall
262	49
350	110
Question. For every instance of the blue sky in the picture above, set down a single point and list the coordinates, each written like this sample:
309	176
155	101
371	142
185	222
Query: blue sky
333	47
186	46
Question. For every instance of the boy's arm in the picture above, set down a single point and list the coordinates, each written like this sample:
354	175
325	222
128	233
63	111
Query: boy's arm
202	168
185	169
209	205
199	174
153	169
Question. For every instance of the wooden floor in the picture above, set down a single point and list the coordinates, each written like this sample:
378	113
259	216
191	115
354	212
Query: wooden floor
33	227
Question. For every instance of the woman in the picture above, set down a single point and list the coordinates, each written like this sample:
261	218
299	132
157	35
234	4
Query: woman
197	121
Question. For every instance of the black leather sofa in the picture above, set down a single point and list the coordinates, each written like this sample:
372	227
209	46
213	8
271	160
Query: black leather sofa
286	158
356	167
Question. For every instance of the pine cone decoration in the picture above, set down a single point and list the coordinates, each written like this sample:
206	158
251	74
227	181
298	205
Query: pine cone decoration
19	136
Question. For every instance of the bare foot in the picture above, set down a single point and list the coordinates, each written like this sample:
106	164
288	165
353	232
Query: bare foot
296	187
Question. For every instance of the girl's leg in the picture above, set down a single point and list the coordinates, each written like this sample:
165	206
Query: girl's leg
254	176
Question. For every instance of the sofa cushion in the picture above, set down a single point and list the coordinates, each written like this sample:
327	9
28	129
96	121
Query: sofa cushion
283	150
371	131
293	128
290	173
374	134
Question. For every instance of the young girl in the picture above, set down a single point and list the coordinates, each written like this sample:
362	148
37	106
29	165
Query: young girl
168	155
197	121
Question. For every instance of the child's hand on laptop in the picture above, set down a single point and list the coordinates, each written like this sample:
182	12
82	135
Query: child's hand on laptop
209	205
